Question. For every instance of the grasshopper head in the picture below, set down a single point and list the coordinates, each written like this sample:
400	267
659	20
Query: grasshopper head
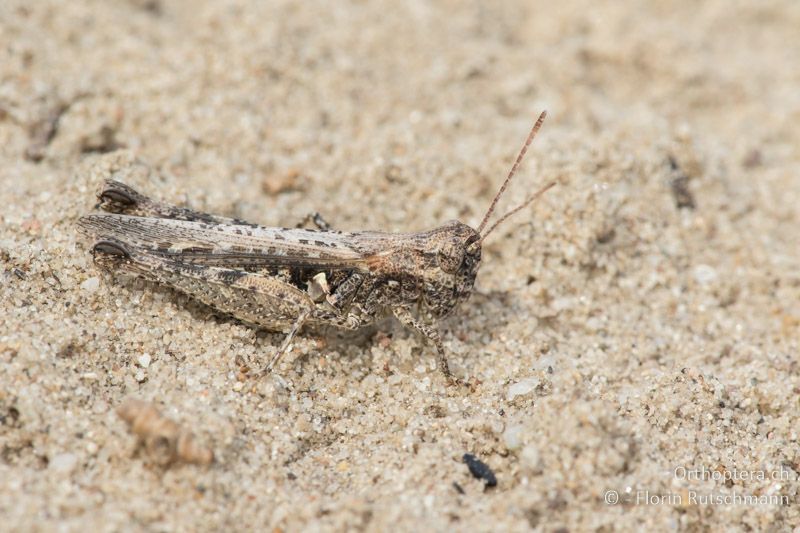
458	247
453	254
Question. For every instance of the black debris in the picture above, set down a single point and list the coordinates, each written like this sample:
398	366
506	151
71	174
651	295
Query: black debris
480	470
680	186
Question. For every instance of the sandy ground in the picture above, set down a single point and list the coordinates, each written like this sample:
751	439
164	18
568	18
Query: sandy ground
636	331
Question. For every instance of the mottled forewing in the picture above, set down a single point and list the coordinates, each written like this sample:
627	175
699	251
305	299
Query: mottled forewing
229	245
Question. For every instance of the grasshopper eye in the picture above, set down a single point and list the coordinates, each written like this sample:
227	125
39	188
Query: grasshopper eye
450	257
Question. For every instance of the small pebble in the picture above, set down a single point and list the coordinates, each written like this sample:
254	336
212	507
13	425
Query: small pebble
512	437
530	457
91	284
64	463
594	324
704	274
526	386
144	360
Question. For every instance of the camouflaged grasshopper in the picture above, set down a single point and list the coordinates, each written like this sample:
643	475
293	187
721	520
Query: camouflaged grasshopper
284	278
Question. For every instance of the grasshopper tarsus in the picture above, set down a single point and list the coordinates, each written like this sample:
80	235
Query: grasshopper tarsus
280	278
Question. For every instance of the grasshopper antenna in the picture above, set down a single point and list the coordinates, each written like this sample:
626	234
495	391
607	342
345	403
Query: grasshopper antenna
513	171
524	204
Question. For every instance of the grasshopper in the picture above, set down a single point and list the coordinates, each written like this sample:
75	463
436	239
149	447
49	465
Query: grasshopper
285	278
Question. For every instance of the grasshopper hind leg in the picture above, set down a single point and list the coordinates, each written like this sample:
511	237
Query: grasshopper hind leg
117	197
255	299
287	341
114	255
110	247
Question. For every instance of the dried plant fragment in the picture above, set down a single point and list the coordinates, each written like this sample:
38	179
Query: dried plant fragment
164	440
43	130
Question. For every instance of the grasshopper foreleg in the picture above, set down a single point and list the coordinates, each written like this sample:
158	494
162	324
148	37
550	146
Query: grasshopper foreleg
430	332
